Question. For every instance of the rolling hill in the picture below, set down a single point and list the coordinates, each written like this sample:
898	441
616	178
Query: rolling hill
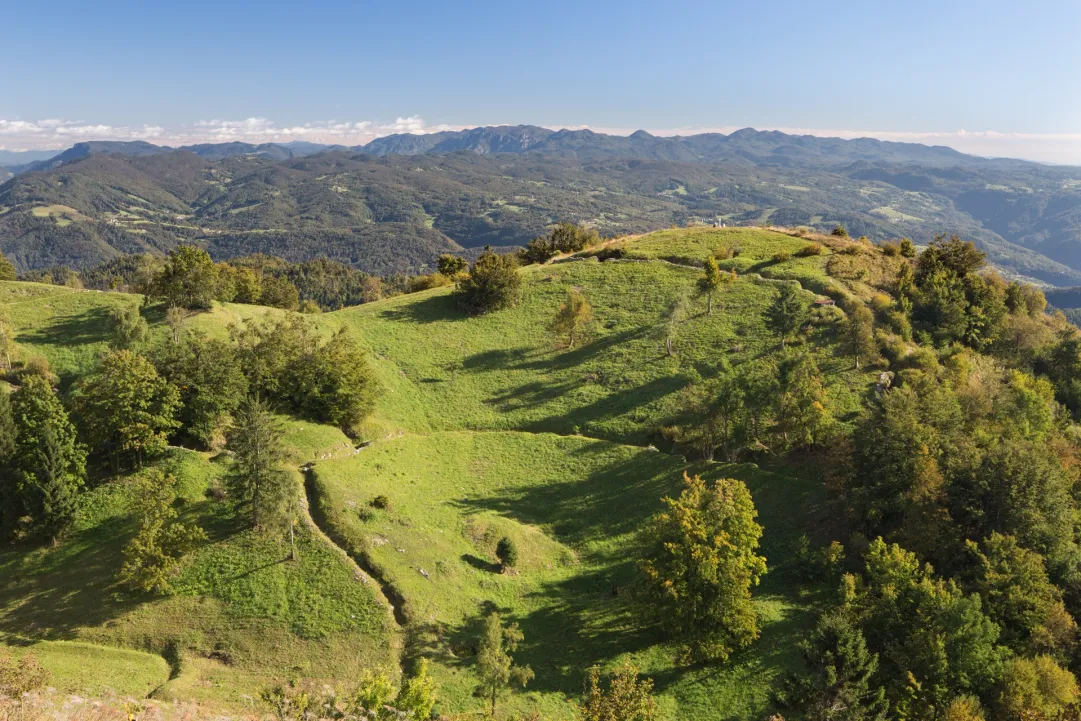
484	430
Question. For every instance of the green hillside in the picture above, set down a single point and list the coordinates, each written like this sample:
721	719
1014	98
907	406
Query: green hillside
486	428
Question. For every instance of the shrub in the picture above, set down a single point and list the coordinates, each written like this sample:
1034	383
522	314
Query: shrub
809	250
852	249
724	253
507	552
890	249
907	248
381	502
427	282
781	256
493	284
839	231
22	676
881	302
451	265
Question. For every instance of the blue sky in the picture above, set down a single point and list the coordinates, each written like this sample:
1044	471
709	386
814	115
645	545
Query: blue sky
1005	73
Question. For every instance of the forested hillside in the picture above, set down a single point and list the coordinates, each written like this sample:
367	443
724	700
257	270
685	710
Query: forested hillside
396	204
692	474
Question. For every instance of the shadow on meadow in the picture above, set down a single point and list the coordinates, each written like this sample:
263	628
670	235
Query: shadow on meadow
90	326
434	309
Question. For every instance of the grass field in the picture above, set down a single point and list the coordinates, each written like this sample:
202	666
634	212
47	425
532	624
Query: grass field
573	506
485	429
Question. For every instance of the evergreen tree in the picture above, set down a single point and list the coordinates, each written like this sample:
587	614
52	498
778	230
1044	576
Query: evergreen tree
493	284
857	332
451	265
257	482
507	552
127	409
495	665
700	562
50	465
161	540
839	682
788	312
572	323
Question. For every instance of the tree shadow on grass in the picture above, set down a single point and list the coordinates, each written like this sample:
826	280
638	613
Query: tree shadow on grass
430	310
90	326
72	587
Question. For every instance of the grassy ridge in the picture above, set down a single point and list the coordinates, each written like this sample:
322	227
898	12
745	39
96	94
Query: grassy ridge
485	429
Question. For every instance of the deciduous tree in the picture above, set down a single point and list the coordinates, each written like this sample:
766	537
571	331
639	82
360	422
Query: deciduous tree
493	284
127	409
626	699
160	540
495	665
700	563
574	319
188	280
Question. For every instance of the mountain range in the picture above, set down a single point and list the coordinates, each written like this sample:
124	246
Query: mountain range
394	204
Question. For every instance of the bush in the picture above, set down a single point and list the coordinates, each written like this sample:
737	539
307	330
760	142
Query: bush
907	248
381	502
890	249
781	256
427	282
851	250
839	231
492	284
451	265
809	250
881	302
507	552
725	253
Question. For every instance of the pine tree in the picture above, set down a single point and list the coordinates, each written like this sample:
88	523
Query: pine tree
127	409
495	666
257	482
572	323
161	540
50	465
857	332
7	341
787	313
11	499
700	563
838	682
673	319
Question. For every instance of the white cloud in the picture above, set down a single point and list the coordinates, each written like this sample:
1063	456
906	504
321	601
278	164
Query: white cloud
55	133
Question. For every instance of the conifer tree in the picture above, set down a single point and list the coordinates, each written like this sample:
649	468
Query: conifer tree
257	482
50	465
787	313
838	684
713	280
857	332
7	270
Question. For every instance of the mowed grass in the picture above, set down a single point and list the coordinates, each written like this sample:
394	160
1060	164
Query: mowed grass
86	668
573	506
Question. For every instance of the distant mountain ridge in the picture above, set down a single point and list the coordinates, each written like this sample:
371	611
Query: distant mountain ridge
749	146
394	204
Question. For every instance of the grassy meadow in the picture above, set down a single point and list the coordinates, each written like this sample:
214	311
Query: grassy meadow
486	428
